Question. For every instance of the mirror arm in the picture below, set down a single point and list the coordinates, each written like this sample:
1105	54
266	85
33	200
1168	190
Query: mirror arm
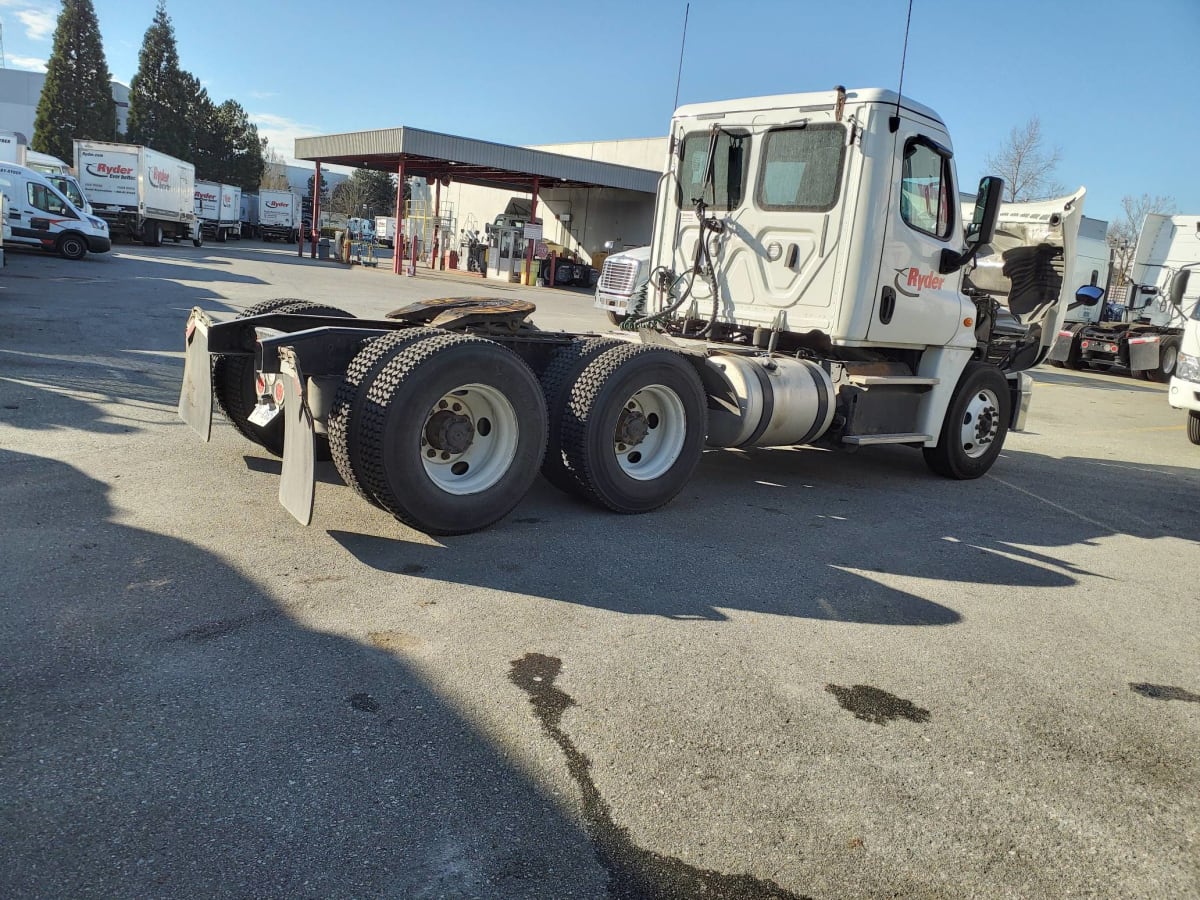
952	261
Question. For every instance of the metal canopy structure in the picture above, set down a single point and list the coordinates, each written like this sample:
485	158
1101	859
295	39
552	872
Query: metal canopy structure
442	158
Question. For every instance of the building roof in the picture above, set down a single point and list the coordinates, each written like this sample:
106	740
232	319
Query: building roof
446	156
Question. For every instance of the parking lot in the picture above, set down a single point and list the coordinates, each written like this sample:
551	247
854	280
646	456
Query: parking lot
815	674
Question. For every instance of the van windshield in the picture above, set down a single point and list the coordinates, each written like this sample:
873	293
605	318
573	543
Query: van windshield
68	188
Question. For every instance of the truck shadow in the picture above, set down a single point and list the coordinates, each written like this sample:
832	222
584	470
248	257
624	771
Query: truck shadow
802	533
171	729
1111	380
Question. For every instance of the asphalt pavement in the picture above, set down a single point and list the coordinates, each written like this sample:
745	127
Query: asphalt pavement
814	674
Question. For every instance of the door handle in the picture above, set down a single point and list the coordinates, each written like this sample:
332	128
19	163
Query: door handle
887	305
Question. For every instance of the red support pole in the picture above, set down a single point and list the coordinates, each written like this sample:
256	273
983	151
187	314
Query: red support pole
529	249
437	222
398	238
316	211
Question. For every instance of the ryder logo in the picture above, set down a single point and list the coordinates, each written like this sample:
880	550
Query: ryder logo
104	170
278	204
200	196
160	177
915	281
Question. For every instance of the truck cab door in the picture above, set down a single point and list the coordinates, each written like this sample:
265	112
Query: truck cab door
914	303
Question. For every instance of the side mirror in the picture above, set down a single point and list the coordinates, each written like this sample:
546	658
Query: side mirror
982	226
1178	286
987	209
1088	295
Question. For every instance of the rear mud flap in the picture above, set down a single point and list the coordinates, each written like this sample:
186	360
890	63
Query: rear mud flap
1143	354
1060	350
195	394
296	483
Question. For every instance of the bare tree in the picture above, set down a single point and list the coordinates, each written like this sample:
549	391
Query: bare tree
274	176
1123	233
1026	164
350	197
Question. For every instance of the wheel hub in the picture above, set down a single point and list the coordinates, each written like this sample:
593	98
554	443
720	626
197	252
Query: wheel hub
449	432
632	427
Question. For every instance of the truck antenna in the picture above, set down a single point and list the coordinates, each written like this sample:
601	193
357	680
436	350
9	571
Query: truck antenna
682	44
894	121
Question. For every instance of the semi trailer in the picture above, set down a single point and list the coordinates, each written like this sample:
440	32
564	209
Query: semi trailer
140	192
1146	340
811	281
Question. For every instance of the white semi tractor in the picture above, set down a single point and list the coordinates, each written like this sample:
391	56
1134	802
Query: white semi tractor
1146	341
140	192
811	280
218	207
1184	390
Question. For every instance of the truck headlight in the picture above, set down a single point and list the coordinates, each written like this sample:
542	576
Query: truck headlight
1187	367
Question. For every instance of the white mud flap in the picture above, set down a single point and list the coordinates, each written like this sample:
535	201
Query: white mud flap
195	394
296	483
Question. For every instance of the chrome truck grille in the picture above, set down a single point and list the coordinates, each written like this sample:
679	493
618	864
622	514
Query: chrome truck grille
618	276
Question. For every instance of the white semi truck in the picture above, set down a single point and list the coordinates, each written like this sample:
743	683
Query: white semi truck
811	281
278	216
218	207
1146	341
140	192
1184	390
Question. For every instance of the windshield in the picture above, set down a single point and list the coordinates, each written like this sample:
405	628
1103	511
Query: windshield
69	188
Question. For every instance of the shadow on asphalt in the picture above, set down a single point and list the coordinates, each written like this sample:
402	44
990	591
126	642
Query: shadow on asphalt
801	533
1110	380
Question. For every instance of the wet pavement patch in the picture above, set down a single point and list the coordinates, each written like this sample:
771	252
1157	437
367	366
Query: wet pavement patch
1164	692
633	873
363	702
875	706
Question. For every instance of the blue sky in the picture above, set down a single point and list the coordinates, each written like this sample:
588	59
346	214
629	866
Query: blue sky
1111	80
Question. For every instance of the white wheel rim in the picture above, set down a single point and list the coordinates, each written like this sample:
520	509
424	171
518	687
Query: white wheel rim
981	423
469	439
1168	359
650	433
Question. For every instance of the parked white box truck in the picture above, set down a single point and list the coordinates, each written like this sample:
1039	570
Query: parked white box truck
278	215
385	230
139	191
219	208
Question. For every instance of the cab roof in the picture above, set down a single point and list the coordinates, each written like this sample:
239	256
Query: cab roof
810	101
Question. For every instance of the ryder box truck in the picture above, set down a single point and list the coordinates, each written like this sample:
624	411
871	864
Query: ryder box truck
140	192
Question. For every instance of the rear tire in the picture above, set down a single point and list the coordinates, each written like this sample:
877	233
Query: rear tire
152	234
233	378
975	426
616	318
557	380
1193	426
451	434
634	427
72	246
352	396
1168	358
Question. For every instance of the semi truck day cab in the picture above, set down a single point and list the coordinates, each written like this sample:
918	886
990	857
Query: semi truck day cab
140	192
1147	340
811	281
1184	390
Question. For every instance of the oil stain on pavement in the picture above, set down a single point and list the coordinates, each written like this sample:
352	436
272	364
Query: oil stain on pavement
634	873
1164	692
875	706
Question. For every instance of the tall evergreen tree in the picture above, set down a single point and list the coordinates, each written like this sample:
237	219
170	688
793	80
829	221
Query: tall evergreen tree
77	99
244	162
159	95
208	141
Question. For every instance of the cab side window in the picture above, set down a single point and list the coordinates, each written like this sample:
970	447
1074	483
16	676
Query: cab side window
925	190
43	199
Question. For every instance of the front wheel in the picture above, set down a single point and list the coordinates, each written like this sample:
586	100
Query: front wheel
975	426
634	427
452	433
72	246
616	318
1193	426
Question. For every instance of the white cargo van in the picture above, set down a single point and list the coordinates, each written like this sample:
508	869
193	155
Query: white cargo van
39	215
